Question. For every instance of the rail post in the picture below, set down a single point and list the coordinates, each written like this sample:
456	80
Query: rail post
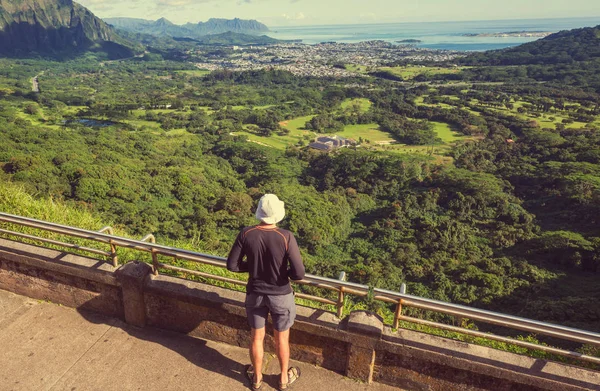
113	246
155	264
150	238
340	304
398	312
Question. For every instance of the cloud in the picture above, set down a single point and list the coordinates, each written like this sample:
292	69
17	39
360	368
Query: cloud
298	16
177	3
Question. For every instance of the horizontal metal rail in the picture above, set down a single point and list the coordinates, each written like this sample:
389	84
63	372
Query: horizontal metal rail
56	242
512	341
341	287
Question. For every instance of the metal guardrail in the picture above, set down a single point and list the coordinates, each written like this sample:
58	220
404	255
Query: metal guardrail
400	299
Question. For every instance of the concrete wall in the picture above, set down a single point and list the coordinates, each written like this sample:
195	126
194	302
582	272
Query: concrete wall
360	346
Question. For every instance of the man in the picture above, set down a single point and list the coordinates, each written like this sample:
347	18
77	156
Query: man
272	259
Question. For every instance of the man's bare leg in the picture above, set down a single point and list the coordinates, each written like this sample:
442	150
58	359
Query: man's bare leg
257	352
282	348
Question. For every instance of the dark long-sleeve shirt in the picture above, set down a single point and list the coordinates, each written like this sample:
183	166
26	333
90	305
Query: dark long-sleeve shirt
272	259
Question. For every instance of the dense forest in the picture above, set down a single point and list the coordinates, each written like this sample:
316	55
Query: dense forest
504	216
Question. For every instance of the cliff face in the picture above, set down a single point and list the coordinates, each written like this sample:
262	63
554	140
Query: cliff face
52	26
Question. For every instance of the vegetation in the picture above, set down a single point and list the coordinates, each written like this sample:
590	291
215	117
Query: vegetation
60	29
507	222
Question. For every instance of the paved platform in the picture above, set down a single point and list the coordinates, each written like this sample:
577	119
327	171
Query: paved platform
44	346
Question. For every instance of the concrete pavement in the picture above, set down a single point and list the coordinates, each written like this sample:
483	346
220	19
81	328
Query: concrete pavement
49	347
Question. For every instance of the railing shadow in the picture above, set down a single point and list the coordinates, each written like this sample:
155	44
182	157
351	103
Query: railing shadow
194	350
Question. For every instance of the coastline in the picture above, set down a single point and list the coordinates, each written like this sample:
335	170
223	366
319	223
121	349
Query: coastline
459	36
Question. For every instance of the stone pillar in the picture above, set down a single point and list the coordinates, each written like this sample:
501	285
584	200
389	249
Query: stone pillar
361	352
132	276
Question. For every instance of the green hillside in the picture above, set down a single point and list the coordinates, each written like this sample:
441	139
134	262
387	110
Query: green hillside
564	47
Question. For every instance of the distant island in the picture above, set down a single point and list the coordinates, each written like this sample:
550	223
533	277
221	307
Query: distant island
528	34
409	41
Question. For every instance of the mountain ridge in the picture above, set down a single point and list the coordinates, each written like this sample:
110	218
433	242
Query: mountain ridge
563	47
164	27
51	27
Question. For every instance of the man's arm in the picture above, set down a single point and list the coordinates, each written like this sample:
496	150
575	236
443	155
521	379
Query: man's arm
296	271
236	255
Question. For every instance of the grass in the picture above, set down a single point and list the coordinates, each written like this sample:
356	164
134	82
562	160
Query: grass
177	132
263	107
446	133
410	72
369	132
139	124
281	142
374	138
195	72
37	119
73	110
363	103
296	124
419	101
275	141
356	68
142	112
545	120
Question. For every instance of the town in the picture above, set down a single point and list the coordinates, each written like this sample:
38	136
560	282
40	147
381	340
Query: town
326	59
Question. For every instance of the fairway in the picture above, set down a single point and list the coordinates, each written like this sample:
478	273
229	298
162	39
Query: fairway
370	135
363	104
296	124
195	72
444	132
410	72
368	132
356	68
419	101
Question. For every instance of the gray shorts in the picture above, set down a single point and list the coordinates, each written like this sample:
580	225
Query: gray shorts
281	307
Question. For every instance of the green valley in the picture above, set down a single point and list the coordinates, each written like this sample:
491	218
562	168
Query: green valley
477	183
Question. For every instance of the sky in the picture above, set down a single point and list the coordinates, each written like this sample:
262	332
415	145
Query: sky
324	12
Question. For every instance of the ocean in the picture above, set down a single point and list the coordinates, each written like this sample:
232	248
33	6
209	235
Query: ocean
434	35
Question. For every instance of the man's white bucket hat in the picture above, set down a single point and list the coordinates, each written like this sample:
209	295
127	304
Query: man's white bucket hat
270	209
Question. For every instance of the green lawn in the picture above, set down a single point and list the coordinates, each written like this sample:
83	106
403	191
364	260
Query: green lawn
444	132
141	113
297	133
363	103
140	123
36	119
356	68
177	132
410	72
543	121
375	139
254	107
369	132
195	72
72	110
296	124
419	101
274	141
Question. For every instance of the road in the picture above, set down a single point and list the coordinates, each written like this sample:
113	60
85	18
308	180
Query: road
35	85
